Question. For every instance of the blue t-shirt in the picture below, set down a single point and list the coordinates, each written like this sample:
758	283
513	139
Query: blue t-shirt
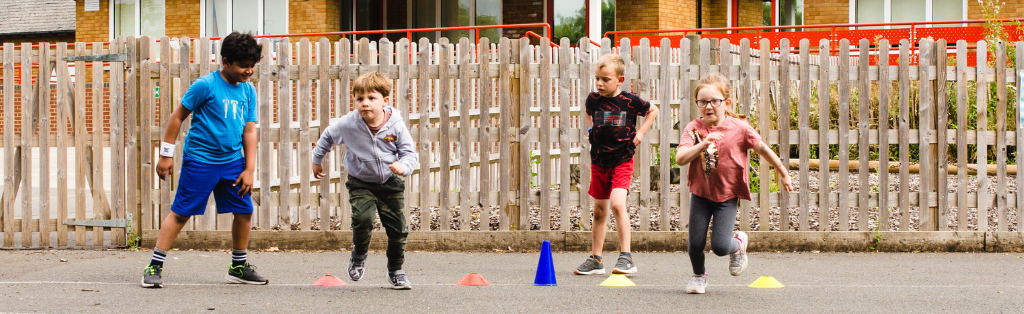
219	114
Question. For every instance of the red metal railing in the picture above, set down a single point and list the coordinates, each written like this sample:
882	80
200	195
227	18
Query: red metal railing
912	31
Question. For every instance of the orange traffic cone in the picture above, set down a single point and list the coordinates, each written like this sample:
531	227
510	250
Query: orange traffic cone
473	279
329	281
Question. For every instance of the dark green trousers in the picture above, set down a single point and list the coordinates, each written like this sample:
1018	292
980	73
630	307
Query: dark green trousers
387	201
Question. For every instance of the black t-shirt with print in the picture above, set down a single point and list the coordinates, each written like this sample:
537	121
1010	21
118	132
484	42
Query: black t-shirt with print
611	139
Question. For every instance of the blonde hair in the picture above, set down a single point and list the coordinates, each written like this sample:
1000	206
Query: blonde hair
372	82
719	81
614	61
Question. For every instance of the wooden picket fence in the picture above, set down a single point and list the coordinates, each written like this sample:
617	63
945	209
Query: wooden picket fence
499	133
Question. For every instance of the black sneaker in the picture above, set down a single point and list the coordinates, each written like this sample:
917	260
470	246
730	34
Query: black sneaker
245	274
151	277
398	280
355	268
625	264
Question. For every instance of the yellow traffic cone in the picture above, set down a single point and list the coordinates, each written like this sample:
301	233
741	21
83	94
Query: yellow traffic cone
618	280
766	282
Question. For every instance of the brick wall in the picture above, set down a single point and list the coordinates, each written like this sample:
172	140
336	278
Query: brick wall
716	13
751	13
313	16
92	26
519	12
1009	10
637	14
182	18
826	12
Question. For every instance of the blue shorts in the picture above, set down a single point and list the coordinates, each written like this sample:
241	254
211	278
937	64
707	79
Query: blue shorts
197	180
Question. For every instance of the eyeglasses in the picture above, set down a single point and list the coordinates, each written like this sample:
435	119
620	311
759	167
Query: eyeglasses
714	102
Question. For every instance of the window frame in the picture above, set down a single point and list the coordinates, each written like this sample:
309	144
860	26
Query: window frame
137	30
260	11
887	12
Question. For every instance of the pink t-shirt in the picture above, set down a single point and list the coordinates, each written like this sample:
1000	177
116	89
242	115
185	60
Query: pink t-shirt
730	179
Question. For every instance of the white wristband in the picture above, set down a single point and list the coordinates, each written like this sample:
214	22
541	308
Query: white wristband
166	149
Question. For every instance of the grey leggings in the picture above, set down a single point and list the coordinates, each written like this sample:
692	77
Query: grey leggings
722	242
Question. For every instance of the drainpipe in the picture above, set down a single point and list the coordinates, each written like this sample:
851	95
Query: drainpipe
699	9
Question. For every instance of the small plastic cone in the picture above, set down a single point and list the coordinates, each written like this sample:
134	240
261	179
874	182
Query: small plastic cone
329	281
618	280
545	267
766	282
473	279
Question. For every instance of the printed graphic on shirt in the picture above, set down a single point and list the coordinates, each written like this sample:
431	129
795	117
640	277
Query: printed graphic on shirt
610	118
390	138
614	129
231	106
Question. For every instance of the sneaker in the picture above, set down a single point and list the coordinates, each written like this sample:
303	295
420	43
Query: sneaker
245	274
355	268
625	264
398	280
151	277
738	259
592	266
697	284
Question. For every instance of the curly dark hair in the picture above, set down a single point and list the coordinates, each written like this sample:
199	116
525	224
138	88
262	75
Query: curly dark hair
241	47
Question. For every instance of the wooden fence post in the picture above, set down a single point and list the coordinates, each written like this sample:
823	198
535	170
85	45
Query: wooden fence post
694	59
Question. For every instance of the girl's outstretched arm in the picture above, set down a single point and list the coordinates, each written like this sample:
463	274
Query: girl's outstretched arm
766	153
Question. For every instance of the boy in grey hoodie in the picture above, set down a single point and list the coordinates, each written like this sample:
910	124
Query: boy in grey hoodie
380	152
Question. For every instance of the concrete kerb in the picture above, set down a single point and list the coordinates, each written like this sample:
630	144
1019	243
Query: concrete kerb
644	241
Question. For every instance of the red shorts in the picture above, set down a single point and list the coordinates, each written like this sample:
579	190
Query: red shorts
603	180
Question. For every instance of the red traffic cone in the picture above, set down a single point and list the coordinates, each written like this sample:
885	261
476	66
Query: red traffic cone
329	281
473	279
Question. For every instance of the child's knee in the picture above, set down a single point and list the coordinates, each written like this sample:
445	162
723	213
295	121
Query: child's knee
720	250
362	224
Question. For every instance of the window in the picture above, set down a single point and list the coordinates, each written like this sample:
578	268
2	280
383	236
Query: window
137	18
607	17
570	20
895	11
450	13
791	12
221	17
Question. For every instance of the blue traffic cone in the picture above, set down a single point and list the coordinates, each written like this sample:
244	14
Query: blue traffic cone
545	267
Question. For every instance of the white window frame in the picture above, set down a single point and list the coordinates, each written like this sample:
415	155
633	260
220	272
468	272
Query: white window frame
230	17
138	19
887	12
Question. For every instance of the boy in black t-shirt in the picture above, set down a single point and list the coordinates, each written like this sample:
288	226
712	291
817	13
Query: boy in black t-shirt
613	138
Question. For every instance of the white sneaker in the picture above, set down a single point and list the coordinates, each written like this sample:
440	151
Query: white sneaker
738	259
697	284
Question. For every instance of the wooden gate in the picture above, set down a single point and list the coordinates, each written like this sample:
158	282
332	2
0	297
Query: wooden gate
71	110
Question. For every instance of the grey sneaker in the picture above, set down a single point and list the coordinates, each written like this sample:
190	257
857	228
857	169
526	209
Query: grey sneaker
151	277
355	268
398	280
592	266
738	259
625	264
697	284
245	274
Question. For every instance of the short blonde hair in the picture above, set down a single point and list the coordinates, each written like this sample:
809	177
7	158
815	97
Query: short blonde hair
614	61
372	82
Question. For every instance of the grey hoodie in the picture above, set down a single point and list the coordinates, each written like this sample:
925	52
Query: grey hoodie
368	155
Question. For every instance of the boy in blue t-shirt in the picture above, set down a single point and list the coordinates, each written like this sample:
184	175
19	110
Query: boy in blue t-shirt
223	109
